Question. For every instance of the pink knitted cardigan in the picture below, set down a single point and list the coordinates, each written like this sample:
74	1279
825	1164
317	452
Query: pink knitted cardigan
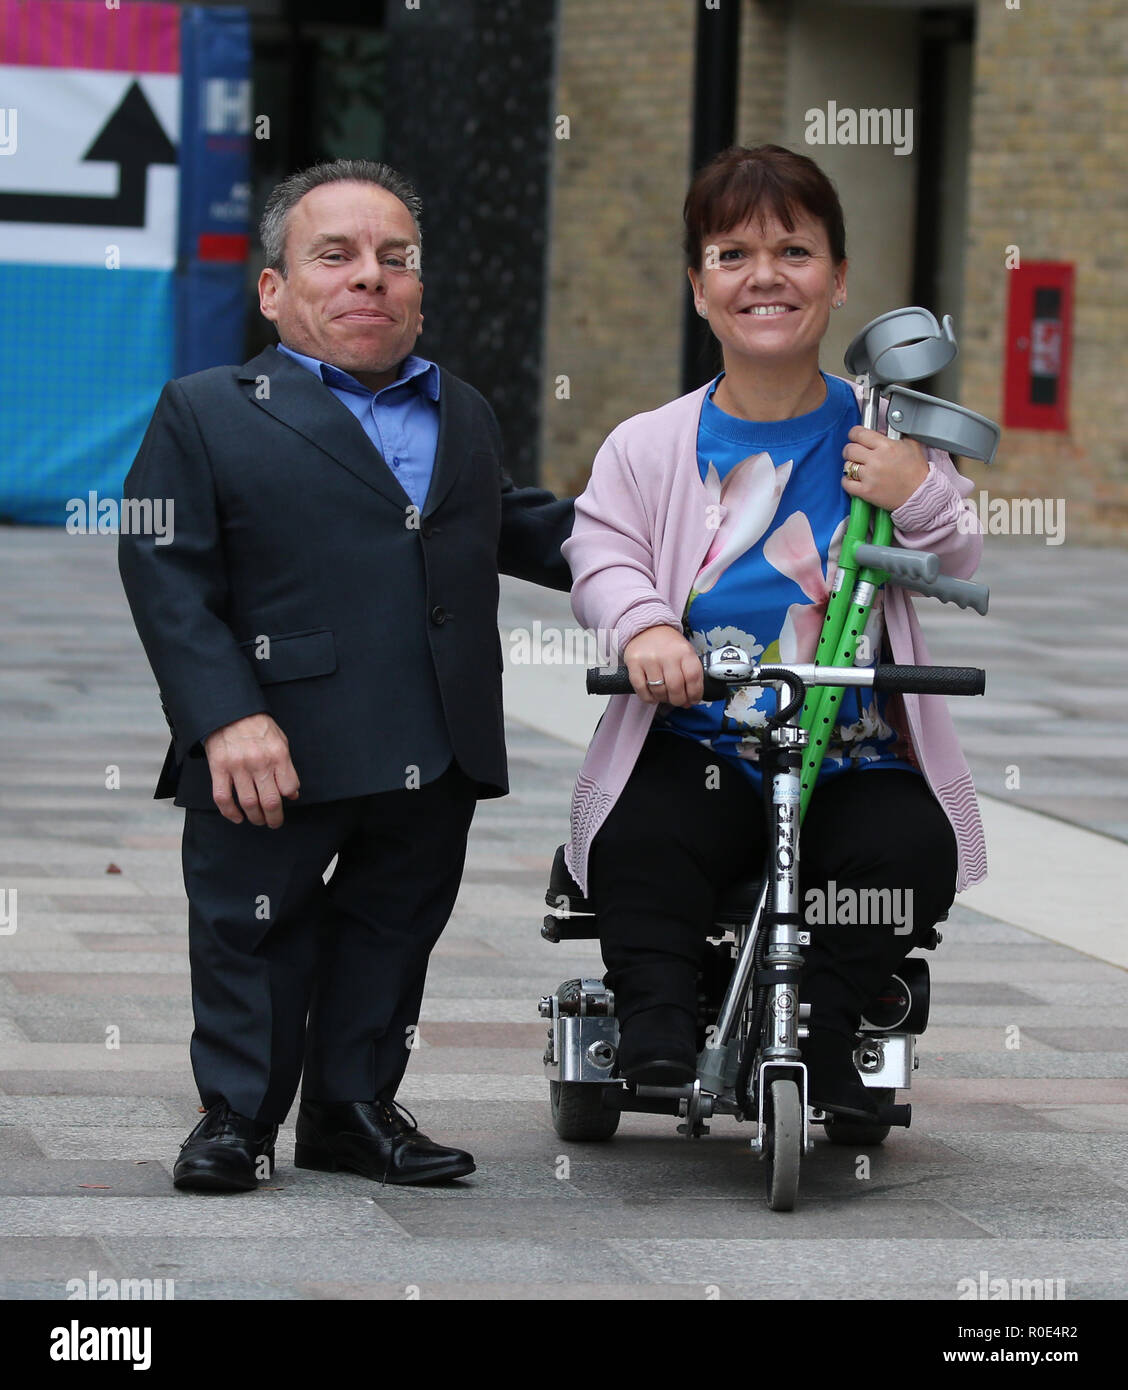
642	530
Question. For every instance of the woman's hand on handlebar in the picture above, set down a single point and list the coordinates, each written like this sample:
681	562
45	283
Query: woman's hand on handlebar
661	654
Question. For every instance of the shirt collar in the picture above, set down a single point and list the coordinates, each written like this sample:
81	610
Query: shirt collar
424	374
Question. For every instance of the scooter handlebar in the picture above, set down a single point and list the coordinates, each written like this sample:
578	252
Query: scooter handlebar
906	680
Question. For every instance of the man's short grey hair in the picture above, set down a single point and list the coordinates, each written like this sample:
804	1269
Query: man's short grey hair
287	194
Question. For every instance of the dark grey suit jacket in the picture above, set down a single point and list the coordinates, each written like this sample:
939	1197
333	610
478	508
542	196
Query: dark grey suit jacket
381	622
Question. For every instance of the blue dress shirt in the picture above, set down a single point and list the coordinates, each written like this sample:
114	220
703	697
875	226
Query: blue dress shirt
401	419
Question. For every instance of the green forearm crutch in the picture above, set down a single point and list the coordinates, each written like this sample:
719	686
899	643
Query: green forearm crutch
845	621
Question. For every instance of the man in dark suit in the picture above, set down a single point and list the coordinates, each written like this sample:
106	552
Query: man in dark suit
323	629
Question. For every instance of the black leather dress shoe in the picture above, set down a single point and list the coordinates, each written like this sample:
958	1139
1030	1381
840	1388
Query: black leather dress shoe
225	1153
376	1141
833	1083
658	1047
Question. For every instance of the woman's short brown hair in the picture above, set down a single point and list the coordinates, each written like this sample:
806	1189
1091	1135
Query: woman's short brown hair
767	179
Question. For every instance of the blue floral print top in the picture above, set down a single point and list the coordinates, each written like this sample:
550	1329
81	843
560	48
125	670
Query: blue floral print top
763	585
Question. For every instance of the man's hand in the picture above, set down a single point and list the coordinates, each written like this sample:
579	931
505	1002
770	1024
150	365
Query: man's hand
251	756
662	655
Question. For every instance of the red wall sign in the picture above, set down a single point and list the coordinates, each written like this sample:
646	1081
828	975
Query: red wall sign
1039	346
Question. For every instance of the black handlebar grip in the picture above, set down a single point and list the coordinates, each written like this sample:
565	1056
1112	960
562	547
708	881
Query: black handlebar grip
930	680
601	681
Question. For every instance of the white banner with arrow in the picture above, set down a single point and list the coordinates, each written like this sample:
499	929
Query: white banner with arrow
93	166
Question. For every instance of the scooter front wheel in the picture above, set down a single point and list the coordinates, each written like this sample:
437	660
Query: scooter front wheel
783	1143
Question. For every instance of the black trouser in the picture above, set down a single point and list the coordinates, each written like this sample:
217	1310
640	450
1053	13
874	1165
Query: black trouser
270	942
688	824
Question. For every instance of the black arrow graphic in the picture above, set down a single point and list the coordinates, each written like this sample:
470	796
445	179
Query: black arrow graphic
132	138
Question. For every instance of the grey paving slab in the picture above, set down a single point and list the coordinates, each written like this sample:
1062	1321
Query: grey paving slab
88	1177
229	1217
1050	1019
53	1257
1030	1090
23	1290
139	924
884	1268
17	1142
68	1021
720	1218
183	1291
1026	1063
1106	1154
10	1031
501	1292
1011	1158
1085	1039
77	1083
865	1289
993	1117
1086	1119
368	1258
60	960
97	1111
970	992
1110	988
108	984
153	1142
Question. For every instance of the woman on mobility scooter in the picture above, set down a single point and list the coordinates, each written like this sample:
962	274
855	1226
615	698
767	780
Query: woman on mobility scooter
716	519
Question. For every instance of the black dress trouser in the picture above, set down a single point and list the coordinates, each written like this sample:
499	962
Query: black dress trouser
271	942
688	824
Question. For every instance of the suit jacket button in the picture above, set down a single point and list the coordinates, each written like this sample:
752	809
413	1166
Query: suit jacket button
438	615
426	530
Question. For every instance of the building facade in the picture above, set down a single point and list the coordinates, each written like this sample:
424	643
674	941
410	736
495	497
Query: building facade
1018	113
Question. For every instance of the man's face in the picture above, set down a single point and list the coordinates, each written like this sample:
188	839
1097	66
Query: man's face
349	297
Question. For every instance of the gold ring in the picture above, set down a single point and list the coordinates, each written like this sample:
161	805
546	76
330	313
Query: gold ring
854	470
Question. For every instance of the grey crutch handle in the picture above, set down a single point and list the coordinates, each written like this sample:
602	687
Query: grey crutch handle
906	564
964	593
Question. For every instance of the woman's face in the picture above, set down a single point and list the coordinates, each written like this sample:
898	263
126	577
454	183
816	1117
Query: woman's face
768	292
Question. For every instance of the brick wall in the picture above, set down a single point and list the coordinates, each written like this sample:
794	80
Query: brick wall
1049	174
625	76
763	72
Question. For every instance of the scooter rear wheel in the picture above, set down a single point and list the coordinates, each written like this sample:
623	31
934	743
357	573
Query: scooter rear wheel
578	1112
